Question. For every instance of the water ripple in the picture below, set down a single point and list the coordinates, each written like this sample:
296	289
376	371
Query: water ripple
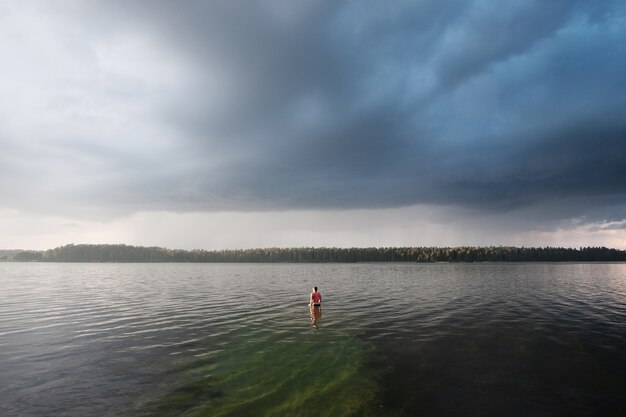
112	339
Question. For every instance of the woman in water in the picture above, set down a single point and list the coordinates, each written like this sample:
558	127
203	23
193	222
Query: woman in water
315	299
315	306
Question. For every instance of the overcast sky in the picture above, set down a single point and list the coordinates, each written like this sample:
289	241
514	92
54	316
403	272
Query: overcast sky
226	123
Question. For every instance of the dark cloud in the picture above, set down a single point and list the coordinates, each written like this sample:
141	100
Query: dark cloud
356	104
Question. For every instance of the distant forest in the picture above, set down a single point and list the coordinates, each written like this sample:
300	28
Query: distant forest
125	253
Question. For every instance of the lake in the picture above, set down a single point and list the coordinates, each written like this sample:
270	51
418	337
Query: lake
239	340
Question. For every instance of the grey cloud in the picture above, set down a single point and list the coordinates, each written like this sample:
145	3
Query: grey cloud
615	226
491	34
324	104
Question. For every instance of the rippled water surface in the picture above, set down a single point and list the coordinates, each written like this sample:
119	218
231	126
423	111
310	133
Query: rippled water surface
239	340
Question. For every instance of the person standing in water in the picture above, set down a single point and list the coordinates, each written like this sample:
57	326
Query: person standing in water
316	298
315	307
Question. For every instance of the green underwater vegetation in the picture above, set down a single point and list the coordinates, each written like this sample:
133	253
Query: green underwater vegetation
315	374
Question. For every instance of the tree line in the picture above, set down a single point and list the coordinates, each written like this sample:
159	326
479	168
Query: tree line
126	253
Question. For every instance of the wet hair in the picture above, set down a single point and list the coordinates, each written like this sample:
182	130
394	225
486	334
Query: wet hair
315	288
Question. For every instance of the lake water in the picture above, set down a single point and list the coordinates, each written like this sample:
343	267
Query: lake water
239	340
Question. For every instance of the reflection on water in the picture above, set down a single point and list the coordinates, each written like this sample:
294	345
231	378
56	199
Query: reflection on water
396	339
316	315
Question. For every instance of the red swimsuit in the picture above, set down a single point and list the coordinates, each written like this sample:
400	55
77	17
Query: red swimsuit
316	297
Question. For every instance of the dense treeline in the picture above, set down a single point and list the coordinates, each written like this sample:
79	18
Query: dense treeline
125	253
9	255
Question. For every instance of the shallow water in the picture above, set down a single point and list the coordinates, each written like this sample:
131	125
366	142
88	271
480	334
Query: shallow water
239	340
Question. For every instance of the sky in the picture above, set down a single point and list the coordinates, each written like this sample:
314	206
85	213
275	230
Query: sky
238	123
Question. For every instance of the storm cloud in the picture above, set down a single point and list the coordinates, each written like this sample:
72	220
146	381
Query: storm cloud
116	107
